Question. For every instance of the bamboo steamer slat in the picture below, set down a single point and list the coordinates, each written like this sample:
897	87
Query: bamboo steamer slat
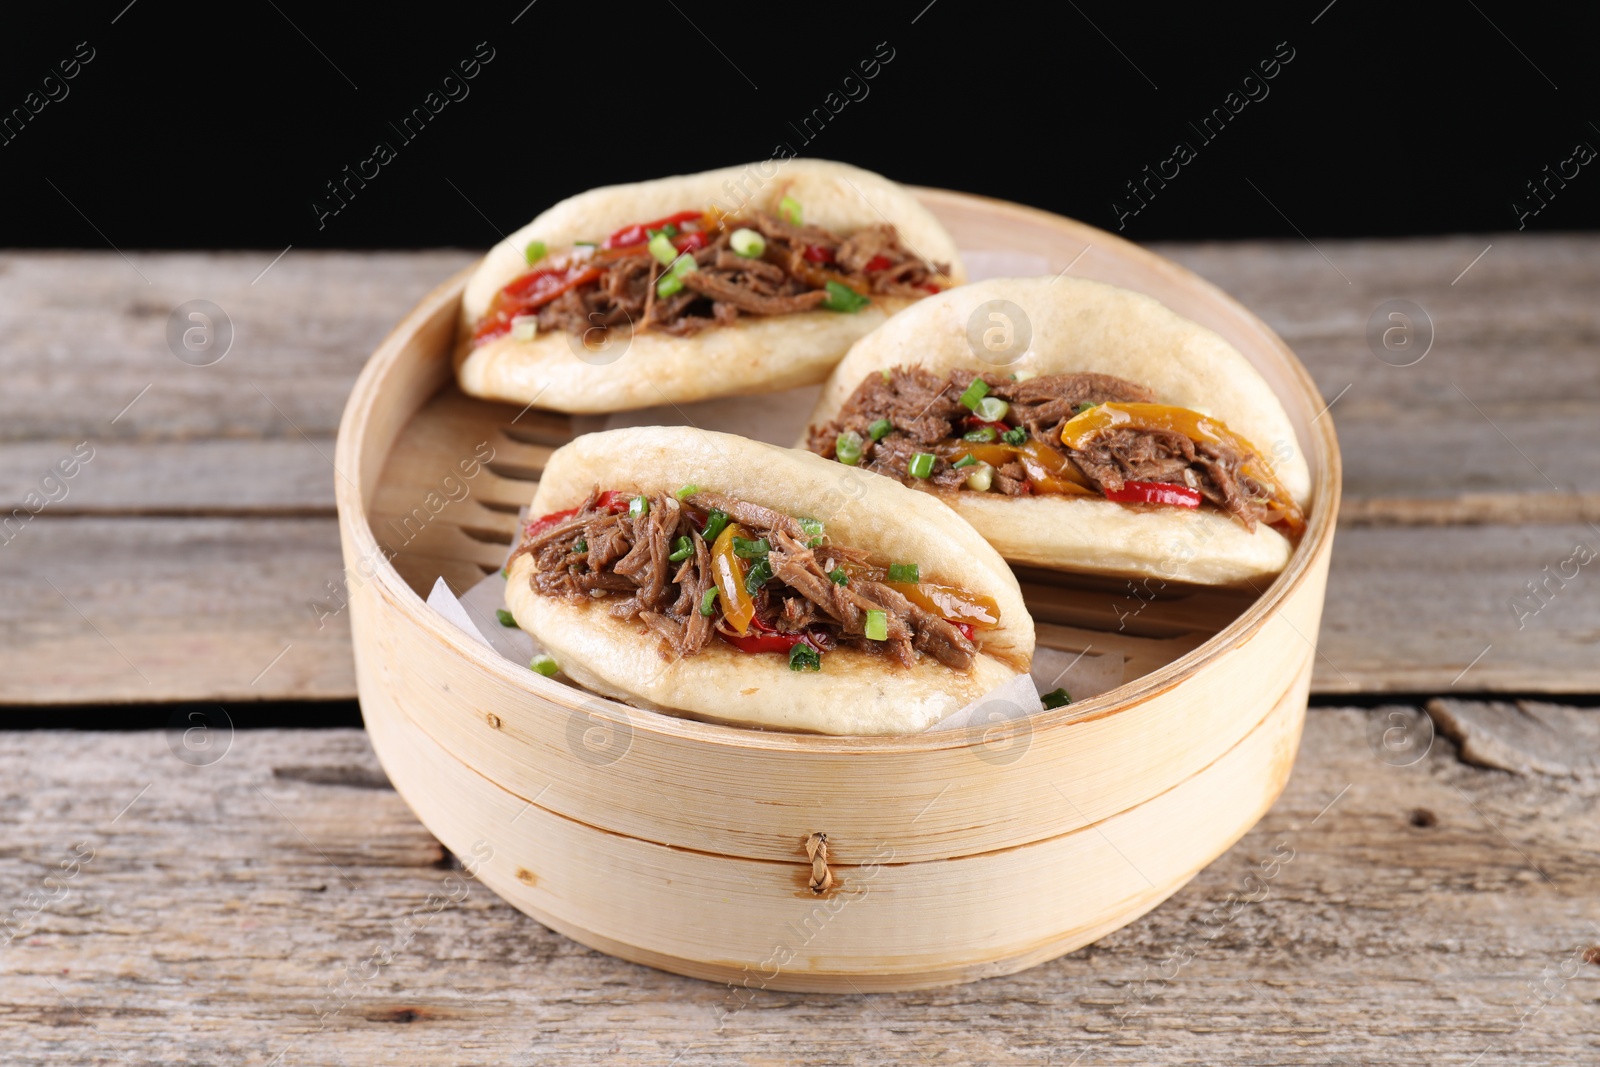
681	844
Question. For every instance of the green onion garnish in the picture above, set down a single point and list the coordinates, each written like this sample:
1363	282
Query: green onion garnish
789	210
545	665
813	531
708	601
802	657
880	429
660	246
888	377
838	576
1059	698
905	572
586	244
1085	406
716	519
505	572
981	478
671	282
844	298
505	617
638	506
921	465
682	549
991	409
965	461
534	252
877	628
757	576
1015	436
524	327
847	449
747	243
747	549
687	491
981	434
975	393
580	545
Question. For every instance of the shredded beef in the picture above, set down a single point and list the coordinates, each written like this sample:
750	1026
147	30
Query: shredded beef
873	261
926	415
624	558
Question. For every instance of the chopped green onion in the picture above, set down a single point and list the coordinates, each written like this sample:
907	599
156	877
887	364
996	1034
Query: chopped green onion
1059	698
1024	375
671	281
747	549
682	549
586	244
1015	436
545	665
660	246
921	465
580	545
757	576
789	210
880	429
523	327
802	657
687	491
670	229
505	617
843	298
716	519
838	576
965	461
747	243
981	478
813	531
877	628
847	449
981	434
534	252
975	393
505	572
1085	406
708	601
887	376
638	506
905	572
991	409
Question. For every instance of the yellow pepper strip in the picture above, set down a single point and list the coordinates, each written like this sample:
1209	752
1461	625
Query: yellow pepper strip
727	570
948	602
1082	429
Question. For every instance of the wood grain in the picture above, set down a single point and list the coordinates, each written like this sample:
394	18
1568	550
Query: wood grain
1426	914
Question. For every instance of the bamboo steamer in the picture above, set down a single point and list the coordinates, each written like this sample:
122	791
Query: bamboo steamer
683	845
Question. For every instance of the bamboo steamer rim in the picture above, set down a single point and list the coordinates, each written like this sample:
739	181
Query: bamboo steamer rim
352	490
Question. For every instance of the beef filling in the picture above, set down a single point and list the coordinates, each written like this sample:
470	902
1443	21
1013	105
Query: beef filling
599	553
790	276
926	414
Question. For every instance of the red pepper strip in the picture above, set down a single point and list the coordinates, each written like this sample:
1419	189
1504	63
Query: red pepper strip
771	640
1155	493
933	288
966	629
818	254
528	293
973	423
877	263
636	234
610	500
690	242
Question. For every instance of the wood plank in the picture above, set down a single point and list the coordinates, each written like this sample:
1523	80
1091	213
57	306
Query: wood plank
114	610
1433	913
83	334
1512	354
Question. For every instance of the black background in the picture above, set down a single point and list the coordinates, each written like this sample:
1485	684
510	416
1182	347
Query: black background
200	126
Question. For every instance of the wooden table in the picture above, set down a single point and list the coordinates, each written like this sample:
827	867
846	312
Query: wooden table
1424	892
